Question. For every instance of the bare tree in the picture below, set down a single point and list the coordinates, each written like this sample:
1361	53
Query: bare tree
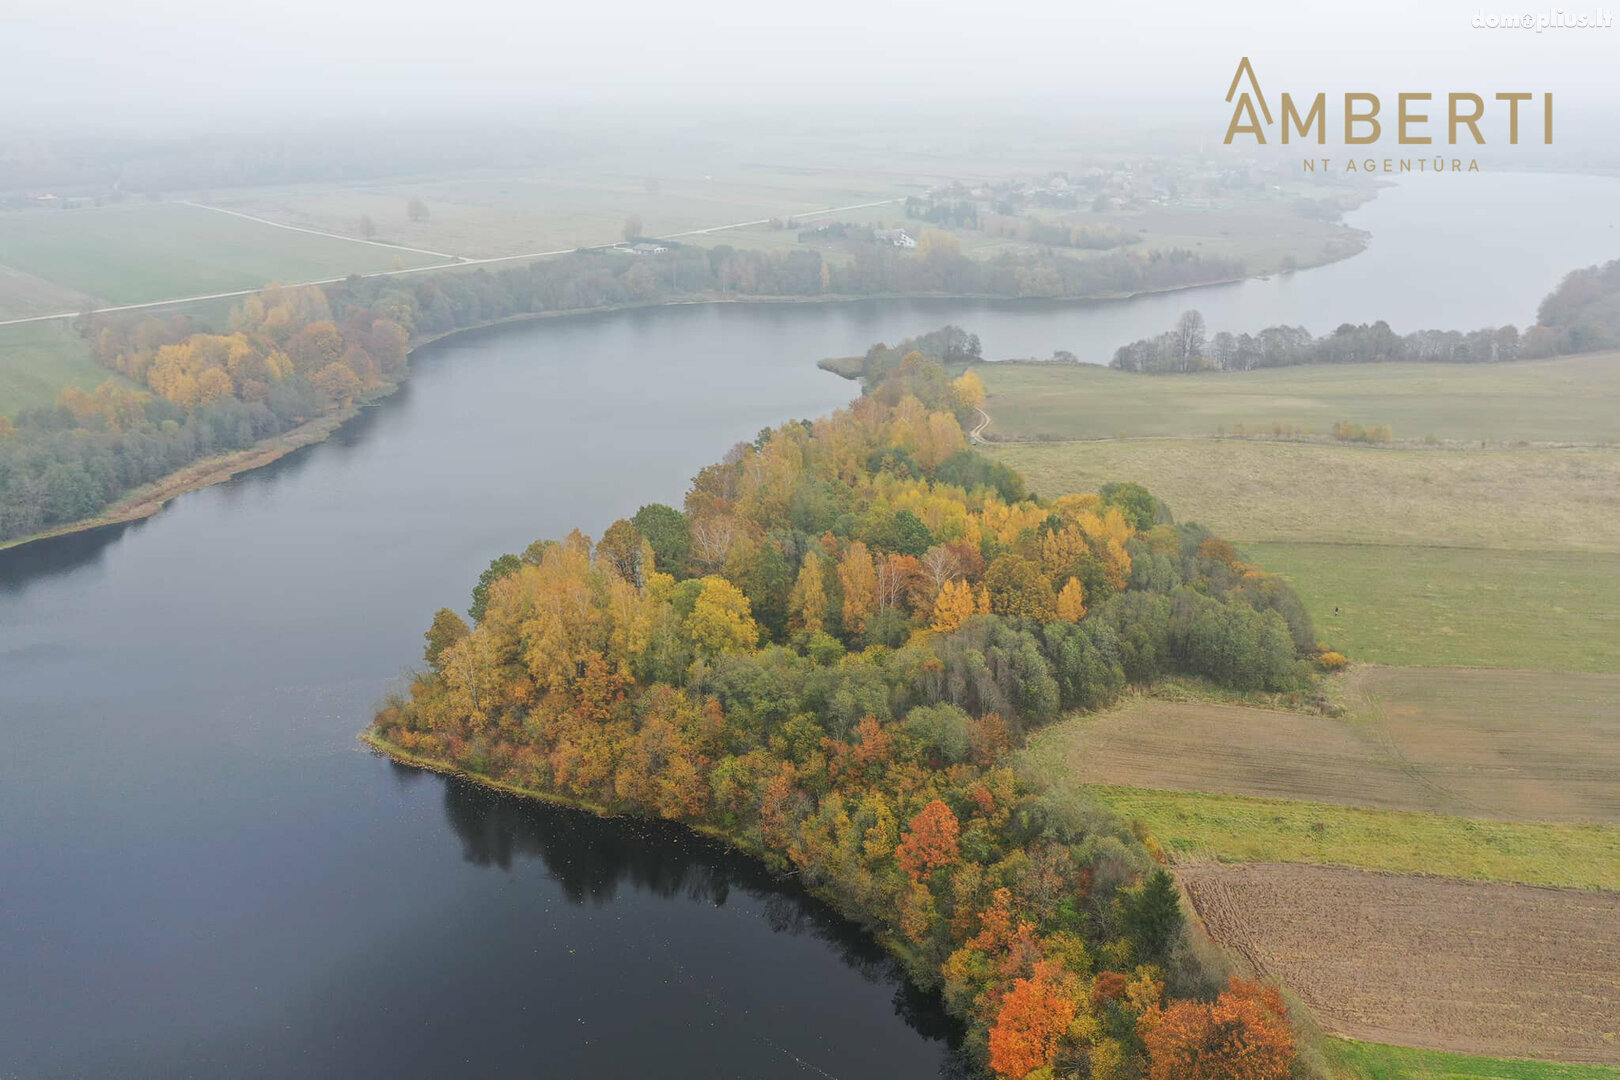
712	538
1189	339
941	565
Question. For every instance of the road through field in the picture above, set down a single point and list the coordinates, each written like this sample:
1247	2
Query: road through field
458	261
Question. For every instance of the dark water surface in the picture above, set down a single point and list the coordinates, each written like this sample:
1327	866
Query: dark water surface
202	873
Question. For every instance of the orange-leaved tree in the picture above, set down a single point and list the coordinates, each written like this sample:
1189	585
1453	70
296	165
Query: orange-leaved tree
931	841
1034	1014
1242	1035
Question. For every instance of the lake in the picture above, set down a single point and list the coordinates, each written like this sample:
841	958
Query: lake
203	873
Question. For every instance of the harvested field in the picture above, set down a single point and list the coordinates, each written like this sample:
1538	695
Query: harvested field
1237	750
1445	965
1517	745
1527	744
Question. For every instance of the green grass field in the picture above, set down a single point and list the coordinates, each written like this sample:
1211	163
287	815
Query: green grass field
1236	828
1351	1060
156	251
1571	399
38	359
1566	499
513	213
1429	606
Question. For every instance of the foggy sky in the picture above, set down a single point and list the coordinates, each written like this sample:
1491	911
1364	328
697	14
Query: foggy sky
156	61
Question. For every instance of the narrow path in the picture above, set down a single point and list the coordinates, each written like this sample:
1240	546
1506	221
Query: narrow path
318	232
984	422
459	261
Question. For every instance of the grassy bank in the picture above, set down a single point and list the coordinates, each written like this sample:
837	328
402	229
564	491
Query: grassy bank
1352	1060
1233	828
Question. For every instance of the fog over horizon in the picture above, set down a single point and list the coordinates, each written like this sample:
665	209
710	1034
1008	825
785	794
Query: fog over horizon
174	65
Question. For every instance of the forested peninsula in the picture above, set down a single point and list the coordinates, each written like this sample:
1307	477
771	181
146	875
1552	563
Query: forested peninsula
292	361
830	657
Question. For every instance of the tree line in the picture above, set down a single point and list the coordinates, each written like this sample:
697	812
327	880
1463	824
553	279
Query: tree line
290	355
1581	315
831	654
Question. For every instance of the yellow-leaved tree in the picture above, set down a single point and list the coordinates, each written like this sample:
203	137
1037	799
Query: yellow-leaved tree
721	620
859	578
969	389
1071	602
807	604
954	607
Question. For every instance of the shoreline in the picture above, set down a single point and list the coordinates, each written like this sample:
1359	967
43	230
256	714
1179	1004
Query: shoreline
146	501
774	863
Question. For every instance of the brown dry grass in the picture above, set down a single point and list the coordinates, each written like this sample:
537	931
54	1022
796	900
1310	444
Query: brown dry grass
1236	750
1518	499
1518	745
1527	744
1509	970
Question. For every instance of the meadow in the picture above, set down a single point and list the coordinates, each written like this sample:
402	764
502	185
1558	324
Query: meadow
1300	492
1565	400
1457	607
140	252
1450	554
38	359
1244	829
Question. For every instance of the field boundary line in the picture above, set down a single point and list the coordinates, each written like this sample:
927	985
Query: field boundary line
317	232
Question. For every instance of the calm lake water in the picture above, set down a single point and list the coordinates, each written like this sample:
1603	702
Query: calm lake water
202	873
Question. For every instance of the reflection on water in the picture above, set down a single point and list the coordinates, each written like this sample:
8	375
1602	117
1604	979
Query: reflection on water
23	566
593	858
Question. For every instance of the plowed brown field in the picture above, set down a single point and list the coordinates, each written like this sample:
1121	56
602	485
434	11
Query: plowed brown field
1507	970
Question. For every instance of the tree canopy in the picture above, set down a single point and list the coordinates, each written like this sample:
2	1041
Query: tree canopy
832	660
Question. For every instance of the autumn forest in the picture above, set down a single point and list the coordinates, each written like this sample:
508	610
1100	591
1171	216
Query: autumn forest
830	656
